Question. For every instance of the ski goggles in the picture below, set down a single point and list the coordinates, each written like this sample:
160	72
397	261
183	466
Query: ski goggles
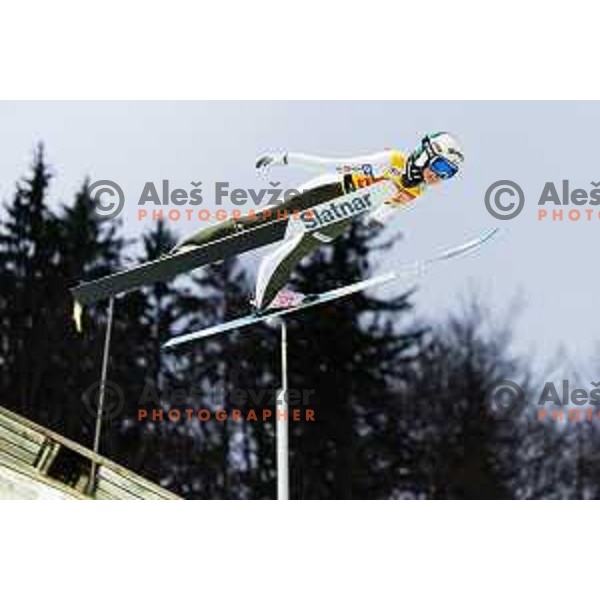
442	167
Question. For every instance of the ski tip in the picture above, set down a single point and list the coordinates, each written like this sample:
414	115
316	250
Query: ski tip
489	234
77	316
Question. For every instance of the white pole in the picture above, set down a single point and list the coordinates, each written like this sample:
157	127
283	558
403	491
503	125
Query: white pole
283	490
100	409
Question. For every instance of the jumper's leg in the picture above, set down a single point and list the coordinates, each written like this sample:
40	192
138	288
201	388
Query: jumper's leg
313	192
275	269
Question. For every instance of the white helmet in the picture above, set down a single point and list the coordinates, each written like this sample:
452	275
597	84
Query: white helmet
439	152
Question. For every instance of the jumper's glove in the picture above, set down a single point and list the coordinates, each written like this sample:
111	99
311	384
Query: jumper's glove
264	162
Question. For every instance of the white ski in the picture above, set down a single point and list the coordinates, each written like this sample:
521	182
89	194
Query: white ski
415	268
352	205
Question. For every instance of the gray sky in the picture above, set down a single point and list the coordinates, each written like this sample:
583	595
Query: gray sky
548	265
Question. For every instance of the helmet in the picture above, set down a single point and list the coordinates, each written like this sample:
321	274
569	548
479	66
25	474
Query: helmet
439	152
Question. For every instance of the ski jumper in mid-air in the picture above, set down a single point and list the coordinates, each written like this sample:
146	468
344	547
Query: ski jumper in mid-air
437	157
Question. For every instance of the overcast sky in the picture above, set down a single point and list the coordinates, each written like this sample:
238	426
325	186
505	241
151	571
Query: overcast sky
549	265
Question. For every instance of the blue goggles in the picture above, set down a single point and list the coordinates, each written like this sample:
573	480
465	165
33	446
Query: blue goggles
442	167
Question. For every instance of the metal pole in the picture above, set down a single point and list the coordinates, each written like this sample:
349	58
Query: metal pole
106	353
283	490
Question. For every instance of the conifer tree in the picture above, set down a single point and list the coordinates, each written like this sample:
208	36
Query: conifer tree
346	356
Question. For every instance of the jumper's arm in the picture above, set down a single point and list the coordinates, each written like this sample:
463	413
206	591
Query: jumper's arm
318	163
